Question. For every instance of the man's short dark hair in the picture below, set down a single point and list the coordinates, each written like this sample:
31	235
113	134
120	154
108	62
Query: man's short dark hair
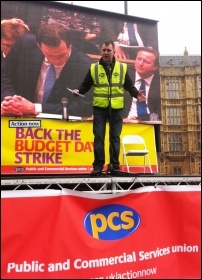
109	42
52	34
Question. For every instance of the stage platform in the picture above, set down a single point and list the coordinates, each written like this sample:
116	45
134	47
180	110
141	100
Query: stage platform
86	183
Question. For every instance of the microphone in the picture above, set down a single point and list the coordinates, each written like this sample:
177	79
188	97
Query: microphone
64	102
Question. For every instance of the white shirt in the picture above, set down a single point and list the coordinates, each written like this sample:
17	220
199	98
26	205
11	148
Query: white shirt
40	85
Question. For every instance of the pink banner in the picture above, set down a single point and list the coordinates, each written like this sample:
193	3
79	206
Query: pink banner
150	233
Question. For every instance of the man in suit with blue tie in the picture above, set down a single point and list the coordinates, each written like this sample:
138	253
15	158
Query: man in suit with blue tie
146	78
27	67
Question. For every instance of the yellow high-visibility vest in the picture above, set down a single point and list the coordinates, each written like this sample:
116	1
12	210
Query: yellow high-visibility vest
105	92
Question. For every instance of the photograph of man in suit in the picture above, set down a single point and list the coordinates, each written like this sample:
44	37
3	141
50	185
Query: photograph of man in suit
146	78
27	67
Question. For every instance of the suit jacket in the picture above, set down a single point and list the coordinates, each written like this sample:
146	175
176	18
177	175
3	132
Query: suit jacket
21	70
154	100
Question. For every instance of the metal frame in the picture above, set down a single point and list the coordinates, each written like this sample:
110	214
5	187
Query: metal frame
107	184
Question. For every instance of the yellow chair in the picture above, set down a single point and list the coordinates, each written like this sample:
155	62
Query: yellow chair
135	146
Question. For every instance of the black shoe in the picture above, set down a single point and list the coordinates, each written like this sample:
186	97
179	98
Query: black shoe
96	172
113	170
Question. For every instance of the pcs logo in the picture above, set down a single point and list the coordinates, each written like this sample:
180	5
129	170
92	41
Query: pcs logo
111	222
19	169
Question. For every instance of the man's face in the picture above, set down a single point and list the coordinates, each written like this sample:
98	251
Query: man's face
56	55
107	52
145	63
6	45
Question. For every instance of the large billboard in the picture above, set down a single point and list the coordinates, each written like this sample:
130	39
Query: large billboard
136	43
